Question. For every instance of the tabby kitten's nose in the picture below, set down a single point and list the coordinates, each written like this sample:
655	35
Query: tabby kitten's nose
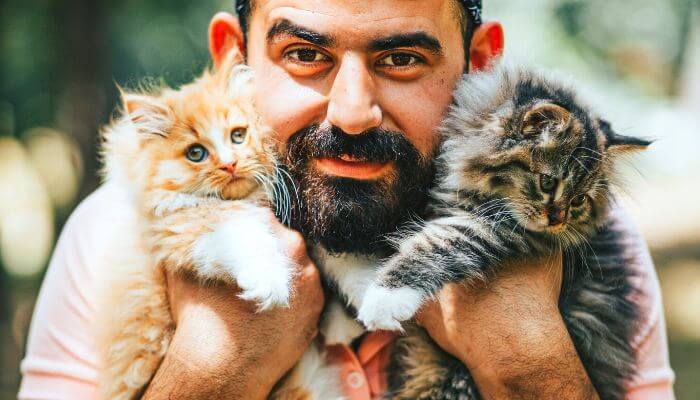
229	167
556	215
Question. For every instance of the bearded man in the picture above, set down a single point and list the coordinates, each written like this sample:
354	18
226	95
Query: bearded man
354	90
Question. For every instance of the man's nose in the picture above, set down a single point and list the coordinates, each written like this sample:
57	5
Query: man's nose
353	106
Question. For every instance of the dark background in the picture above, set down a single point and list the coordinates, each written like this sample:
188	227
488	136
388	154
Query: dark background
60	62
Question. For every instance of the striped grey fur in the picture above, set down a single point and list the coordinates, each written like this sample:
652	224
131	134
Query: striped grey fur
525	169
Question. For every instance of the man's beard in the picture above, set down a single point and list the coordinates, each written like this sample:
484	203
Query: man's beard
349	215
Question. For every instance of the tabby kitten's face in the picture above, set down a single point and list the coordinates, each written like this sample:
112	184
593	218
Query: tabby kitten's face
554	167
551	162
202	139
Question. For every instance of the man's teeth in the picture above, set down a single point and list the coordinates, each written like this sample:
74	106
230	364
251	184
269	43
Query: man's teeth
351	159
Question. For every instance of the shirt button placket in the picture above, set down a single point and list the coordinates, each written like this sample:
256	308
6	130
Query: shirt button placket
355	380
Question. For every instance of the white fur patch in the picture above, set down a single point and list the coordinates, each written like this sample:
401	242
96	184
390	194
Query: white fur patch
352	273
337	327
176	201
172	170
385	308
246	250
320	380
223	148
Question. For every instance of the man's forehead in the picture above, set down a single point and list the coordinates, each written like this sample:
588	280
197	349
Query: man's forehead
366	18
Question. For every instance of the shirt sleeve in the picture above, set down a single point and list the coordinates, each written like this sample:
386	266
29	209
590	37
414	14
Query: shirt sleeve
654	378
61	360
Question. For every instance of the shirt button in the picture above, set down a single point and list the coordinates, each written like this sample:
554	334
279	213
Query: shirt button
355	380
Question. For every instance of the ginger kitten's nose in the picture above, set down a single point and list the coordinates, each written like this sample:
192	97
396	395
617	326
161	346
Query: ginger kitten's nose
229	167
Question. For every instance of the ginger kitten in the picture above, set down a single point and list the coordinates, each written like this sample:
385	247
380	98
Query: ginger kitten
199	166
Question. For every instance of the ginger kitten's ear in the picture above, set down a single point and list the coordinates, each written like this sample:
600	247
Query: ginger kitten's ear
544	115
234	74
139	103
241	81
621	144
149	114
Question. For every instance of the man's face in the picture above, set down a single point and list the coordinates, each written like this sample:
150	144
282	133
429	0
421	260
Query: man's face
354	91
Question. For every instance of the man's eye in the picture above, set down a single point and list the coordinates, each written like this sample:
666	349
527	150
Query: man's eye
399	60
307	55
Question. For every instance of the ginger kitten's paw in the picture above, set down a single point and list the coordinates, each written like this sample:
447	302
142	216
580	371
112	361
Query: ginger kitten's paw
267	288
385	308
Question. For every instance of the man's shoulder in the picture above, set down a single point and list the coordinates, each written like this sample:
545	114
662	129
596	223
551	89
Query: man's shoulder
94	225
107	201
100	210
654	376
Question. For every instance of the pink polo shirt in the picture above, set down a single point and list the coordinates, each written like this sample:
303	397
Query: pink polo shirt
62	361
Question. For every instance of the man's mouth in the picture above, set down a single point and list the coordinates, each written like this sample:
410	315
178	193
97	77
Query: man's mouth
350	167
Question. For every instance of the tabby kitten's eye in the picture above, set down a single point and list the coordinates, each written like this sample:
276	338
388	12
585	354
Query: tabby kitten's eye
238	135
547	183
578	201
196	153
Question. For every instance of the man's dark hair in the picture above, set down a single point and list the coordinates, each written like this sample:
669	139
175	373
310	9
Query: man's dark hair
469	17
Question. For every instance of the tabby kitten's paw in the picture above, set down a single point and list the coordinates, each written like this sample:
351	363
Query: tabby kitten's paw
385	308
266	288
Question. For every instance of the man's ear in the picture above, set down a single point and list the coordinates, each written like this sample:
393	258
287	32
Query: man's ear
225	34
622	144
487	45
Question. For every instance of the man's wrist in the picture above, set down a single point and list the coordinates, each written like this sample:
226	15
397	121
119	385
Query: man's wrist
533	358
205	362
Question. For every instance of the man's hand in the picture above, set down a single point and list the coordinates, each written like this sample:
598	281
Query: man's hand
511	335
223	348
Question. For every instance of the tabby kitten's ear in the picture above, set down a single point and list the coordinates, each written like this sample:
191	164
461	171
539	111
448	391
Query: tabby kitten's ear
621	144
545	115
149	114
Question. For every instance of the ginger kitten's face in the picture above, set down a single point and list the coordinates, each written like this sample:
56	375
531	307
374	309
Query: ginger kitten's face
204	139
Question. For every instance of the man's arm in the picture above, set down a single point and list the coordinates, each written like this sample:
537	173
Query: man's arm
511	335
224	348
513	339
220	346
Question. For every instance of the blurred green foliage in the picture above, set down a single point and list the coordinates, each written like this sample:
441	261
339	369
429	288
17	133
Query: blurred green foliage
61	60
644	37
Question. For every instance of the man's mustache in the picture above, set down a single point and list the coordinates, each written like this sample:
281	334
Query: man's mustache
374	145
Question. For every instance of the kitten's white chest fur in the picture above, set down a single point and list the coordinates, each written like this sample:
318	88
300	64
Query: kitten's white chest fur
352	274
378	307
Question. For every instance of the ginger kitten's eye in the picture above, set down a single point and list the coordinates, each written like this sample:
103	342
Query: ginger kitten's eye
547	183
578	200
196	153
238	135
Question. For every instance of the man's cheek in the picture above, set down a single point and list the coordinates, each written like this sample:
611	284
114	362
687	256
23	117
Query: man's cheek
418	116
286	106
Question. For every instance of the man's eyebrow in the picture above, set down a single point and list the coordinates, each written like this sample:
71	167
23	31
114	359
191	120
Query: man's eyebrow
286	27
415	39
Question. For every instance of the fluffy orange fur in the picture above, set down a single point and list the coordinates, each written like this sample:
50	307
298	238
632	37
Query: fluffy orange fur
187	214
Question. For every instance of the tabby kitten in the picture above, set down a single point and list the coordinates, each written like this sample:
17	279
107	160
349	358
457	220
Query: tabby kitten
199	167
525	169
